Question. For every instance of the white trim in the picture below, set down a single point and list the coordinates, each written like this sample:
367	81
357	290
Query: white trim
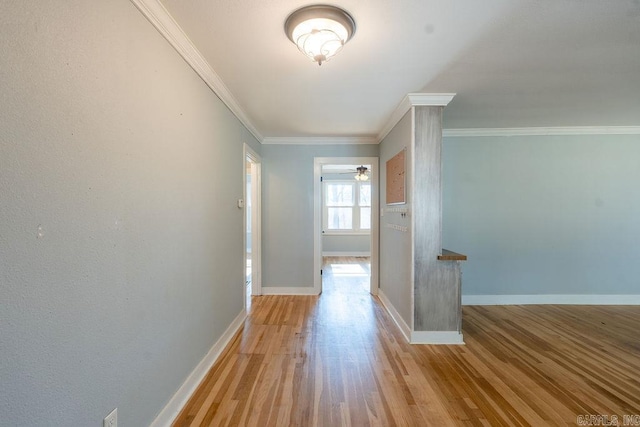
408	198
160	18
375	226
345	253
289	290
397	319
551	299
180	398
395	117
311	140
436	337
411	100
430	99
537	131
256	218
317	225
317	216
419	337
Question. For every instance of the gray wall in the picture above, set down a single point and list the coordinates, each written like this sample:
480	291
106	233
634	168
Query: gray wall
350	243
395	246
287	209
544	214
120	240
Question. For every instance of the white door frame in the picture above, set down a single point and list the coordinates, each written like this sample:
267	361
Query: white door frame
317	215
256	218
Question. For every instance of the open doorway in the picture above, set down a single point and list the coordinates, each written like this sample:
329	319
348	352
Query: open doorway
252	225
346	224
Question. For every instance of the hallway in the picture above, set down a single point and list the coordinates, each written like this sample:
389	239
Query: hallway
302	361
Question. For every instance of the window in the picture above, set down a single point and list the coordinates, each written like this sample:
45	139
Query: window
347	207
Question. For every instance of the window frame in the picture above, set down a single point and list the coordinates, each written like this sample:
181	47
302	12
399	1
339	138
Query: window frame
355	208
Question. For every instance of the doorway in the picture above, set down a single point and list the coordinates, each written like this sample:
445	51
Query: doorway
252	225
346	223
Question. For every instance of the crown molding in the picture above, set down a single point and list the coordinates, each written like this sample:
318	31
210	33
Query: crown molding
414	100
544	131
322	140
430	99
160	18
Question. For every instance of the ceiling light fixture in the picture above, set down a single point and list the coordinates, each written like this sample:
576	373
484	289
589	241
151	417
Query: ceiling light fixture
362	174
320	31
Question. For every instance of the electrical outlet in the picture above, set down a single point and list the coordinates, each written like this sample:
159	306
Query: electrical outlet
111	420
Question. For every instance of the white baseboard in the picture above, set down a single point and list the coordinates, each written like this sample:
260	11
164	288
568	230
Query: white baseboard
436	337
404	328
551	299
419	337
169	413
289	290
339	253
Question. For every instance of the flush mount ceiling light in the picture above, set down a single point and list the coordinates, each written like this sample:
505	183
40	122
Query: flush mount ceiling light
320	31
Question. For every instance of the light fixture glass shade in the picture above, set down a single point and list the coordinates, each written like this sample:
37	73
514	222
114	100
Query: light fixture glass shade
319	39
319	31
362	174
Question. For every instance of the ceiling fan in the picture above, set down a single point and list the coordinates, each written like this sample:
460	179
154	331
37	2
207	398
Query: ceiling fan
362	173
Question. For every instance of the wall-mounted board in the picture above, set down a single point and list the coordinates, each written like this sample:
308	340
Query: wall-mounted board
396	188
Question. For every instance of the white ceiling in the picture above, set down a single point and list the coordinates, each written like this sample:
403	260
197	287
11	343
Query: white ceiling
512	63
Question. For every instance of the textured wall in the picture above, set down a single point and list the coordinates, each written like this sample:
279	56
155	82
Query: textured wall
120	242
395	246
436	283
287	209
544	214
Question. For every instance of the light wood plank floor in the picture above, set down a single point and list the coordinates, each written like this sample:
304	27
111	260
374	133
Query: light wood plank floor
338	359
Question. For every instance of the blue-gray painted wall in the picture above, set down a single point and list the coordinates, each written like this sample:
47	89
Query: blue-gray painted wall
544	214
396	257
121	258
287	209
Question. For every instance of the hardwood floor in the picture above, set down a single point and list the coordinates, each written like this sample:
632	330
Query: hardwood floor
338	359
